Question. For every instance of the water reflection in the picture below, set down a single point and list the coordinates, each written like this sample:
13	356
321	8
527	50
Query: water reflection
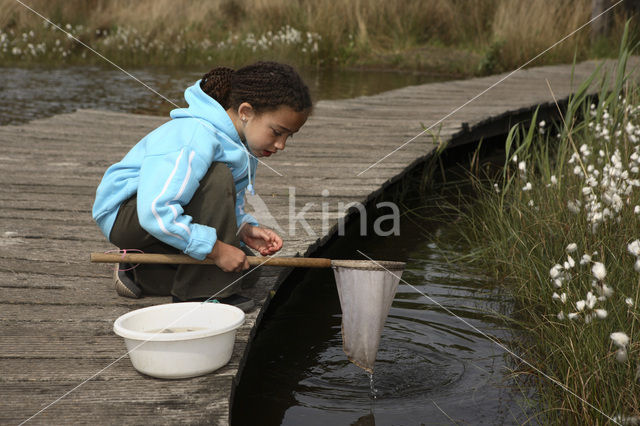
31	93
431	367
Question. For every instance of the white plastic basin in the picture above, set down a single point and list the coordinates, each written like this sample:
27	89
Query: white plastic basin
198	339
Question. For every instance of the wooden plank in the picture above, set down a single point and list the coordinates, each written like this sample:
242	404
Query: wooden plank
47	313
117	401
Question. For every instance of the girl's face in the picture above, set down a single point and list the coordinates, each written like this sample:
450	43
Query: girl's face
267	133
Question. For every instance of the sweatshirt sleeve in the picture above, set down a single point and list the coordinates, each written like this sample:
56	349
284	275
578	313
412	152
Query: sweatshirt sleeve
167	182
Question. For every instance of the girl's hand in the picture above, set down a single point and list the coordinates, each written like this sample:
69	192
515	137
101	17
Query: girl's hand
228	258
262	239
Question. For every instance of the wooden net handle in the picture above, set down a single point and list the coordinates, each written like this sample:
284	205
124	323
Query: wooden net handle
183	259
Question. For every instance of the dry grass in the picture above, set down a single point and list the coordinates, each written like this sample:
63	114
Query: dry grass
523	35
104	13
505	32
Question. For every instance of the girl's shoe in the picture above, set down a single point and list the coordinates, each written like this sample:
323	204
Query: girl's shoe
238	301
124	283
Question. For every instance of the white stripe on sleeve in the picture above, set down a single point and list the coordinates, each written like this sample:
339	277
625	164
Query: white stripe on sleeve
164	189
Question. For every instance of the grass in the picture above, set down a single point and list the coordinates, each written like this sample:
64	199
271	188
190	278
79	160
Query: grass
559	225
460	37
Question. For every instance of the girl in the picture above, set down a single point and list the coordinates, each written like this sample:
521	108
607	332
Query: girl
181	188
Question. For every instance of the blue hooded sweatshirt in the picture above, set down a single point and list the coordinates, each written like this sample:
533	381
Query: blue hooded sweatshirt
165	169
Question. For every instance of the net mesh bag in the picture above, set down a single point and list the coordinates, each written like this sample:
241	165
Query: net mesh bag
366	290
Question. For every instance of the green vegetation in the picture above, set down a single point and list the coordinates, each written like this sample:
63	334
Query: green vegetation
559	225
453	37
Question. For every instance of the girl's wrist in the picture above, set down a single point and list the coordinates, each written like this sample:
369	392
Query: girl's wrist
215	251
243	228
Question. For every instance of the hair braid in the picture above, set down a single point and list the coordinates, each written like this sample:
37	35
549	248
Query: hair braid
217	84
264	85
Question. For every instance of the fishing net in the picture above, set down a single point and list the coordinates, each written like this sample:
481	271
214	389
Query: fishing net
366	290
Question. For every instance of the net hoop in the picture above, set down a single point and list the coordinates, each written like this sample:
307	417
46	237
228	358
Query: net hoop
378	265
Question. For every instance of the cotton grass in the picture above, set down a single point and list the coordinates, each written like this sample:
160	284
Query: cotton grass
572	263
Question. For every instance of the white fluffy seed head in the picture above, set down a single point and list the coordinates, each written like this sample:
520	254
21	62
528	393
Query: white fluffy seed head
573	207
619	339
599	271
601	313
621	355
634	247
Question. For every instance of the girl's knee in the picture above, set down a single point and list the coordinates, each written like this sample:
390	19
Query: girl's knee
213	203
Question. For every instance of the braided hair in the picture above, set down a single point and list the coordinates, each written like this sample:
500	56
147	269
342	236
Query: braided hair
265	85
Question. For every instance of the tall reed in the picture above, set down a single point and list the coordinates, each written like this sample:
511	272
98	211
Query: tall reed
560	226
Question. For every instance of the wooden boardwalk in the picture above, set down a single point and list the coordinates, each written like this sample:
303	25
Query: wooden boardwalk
57	309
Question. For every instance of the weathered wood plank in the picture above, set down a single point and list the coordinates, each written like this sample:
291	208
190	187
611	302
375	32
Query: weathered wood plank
117	402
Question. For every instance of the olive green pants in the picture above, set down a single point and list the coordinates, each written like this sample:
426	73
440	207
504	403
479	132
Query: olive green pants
213	204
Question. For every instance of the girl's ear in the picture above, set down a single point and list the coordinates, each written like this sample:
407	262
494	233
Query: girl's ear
245	111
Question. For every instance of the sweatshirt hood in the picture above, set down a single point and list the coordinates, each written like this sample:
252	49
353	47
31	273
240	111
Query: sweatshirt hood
206	108
213	116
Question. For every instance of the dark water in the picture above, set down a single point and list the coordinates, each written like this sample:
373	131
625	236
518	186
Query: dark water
27	94
431	367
